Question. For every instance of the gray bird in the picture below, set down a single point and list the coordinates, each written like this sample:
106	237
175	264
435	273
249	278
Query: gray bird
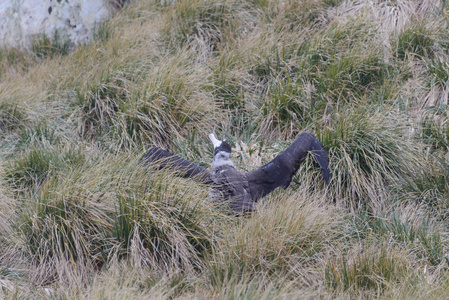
240	190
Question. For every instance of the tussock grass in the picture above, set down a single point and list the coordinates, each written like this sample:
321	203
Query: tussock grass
117	210
439	70
429	186
48	47
13	60
434	128
367	268
177	100
292	15
215	23
286	235
419	289
416	40
367	152
12	118
35	165
38	135
408	226
80	217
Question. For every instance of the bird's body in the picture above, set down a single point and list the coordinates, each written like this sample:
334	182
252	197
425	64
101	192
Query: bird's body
231	186
240	190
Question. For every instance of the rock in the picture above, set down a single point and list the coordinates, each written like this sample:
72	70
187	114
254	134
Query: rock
73	21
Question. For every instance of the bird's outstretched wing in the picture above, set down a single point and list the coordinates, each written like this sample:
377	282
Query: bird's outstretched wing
162	159
280	171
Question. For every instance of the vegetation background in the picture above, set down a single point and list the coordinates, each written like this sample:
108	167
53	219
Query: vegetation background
81	218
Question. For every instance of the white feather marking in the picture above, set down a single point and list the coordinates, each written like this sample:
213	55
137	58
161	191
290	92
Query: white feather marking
222	158
214	140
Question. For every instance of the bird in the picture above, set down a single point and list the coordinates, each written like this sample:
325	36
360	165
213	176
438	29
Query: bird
241	191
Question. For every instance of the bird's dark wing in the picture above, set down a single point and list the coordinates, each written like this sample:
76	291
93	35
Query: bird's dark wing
280	171
162	159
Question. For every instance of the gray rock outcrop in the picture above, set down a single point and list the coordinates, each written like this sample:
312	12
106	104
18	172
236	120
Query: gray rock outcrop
73	21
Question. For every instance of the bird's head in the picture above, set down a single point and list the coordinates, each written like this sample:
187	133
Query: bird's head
222	152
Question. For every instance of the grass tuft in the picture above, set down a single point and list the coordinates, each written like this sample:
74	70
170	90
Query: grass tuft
364	148
213	22
115	209
47	47
285	236
439	71
429	186
434	128
366	268
415	40
12	118
35	165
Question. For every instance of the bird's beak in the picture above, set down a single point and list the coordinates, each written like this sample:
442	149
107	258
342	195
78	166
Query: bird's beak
214	140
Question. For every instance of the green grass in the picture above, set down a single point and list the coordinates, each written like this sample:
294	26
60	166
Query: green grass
35	165
434	129
366	147
365	268
214	22
40	134
429	186
12	118
440	72
13	60
407	229
48	47
143	218
368	79
416	40
278	241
